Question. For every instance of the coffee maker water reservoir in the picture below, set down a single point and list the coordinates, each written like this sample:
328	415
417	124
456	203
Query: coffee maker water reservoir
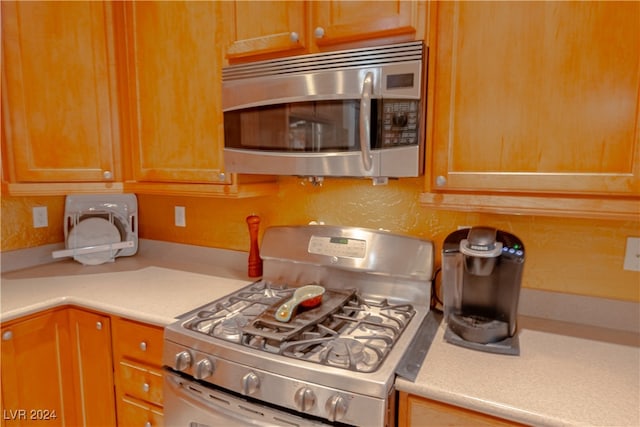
481	279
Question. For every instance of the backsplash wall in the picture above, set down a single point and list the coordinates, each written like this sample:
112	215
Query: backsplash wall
577	256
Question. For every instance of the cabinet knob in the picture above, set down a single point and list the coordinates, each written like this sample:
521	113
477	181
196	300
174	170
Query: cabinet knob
318	32
7	335
146	387
143	346
107	175
99	326
222	176
294	37
441	181
147	424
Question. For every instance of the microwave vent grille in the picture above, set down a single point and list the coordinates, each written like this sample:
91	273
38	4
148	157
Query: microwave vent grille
327	61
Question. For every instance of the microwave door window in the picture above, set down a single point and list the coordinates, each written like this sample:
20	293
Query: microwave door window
323	126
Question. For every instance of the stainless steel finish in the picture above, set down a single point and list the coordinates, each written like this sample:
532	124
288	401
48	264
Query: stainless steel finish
336	407
318	32
107	175
182	360
365	120
410	365
7	336
99	326
294	37
305	399
143	346
250	383
441	181
354	264
204	369
146	387
187	403
384	75
390	162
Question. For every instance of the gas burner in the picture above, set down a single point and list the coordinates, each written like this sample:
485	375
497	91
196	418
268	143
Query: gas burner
346	352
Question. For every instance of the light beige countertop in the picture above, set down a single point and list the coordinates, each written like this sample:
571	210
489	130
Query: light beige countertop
153	295
566	374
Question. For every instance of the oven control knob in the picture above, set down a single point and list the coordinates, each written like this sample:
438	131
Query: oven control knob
250	384
336	407
183	360
204	369
305	399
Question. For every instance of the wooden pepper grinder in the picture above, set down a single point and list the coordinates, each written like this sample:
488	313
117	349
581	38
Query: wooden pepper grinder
255	262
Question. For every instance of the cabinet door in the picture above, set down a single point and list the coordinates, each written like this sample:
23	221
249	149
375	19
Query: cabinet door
537	97
36	364
416	411
173	74
347	21
261	27
93	363
59	93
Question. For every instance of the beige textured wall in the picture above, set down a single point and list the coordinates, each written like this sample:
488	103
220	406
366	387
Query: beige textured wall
579	256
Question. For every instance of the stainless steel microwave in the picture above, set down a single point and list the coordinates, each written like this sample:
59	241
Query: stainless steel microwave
350	113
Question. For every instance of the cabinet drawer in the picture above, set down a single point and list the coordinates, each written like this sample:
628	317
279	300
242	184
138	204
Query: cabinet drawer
141	382
139	342
135	413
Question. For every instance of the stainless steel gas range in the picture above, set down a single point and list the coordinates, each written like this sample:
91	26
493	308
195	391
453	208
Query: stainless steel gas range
231	362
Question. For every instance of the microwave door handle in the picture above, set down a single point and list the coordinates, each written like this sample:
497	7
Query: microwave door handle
365	120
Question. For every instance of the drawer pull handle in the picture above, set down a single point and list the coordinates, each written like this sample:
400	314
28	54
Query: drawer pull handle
146	387
143	346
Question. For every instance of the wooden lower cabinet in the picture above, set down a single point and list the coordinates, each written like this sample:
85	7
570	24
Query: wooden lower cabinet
57	369
35	371
139	380
93	367
133	412
417	411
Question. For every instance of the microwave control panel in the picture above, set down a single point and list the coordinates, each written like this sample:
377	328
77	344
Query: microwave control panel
399	122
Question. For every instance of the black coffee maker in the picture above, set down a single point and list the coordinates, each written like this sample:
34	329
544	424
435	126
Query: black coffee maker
481	278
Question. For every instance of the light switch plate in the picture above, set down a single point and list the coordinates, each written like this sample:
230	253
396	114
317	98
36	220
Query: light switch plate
40	217
632	254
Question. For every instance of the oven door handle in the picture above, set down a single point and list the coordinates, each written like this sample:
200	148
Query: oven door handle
365	120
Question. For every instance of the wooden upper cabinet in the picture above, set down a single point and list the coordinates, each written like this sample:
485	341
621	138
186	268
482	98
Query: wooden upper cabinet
536	97
265	29
173	72
262	27
59	99
336	22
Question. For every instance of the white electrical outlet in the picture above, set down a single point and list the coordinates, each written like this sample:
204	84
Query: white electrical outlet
180	216
40	217
632	254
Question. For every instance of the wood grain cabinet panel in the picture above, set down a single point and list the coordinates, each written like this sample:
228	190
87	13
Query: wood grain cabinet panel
537	97
173	74
170	63
416	411
262	29
57	367
59	98
139	379
36	367
93	367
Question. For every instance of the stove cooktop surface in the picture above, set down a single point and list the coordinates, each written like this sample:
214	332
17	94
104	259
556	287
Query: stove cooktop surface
346	330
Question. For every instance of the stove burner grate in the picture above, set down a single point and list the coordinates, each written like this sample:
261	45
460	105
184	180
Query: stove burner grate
345	331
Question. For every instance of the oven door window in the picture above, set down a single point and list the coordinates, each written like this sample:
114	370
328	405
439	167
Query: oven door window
321	126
